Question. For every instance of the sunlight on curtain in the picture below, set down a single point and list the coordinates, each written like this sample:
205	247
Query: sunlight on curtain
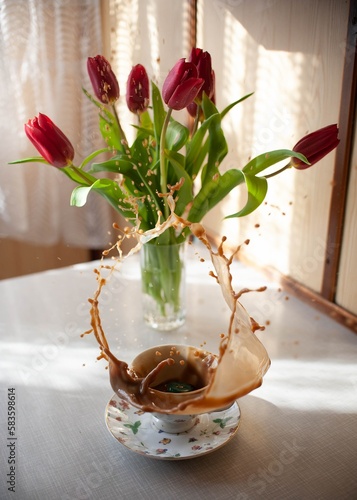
154	33
44	46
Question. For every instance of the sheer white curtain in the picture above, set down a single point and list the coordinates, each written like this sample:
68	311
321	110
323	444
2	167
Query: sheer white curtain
44	45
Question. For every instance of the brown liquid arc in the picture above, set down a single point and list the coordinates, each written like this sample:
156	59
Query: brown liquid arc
237	370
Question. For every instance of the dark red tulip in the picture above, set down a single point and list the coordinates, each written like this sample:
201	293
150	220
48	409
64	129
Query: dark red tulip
203	63
137	89
181	85
315	146
192	108
49	141
104	81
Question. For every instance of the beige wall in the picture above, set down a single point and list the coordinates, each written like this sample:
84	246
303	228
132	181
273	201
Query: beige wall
291	54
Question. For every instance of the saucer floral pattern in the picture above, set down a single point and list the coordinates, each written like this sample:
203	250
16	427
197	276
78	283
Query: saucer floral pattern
135	430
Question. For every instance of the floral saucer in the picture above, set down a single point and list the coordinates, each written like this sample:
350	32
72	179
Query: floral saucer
135	429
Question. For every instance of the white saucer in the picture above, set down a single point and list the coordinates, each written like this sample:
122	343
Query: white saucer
135	430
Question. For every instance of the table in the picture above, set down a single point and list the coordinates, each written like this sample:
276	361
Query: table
297	438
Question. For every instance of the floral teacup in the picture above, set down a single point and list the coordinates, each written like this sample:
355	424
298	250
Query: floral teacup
176	383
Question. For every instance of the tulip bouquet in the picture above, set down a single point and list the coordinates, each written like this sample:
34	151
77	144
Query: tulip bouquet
167	160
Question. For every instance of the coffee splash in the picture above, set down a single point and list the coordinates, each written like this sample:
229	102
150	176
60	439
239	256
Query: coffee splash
242	359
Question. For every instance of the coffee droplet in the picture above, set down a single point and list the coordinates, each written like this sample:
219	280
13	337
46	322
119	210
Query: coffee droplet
233	377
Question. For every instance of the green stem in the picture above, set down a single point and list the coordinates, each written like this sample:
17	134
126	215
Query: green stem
163	171
80	174
162	269
93	155
149	190
278	171
197	118
121	131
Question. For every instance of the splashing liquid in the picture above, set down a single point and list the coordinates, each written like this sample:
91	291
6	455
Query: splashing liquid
242	360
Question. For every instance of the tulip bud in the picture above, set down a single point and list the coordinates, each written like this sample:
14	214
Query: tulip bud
315	146
103	79
49	141
181	85
137	89
202	61
192	108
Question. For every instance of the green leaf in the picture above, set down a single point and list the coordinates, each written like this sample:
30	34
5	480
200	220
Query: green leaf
185	193
208	107
108	125
228	108
119	164
94	101
213	191
93	155
257	190
109	190
142	153
217	142
79	176
265	160
135	168
110	132
146	127
176	135
159	112
145	121
217	148
79	196
37	159
116	164
196	151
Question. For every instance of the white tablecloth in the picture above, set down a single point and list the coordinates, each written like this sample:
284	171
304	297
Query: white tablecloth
297	438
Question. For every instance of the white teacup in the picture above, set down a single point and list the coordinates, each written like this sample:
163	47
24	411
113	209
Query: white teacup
189	374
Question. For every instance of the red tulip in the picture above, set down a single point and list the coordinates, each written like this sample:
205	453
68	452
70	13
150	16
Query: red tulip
202	61
315	146
49	141
181	85
192	108
104	81
137	89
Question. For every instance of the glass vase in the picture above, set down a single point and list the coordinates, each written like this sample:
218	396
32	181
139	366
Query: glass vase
163	285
